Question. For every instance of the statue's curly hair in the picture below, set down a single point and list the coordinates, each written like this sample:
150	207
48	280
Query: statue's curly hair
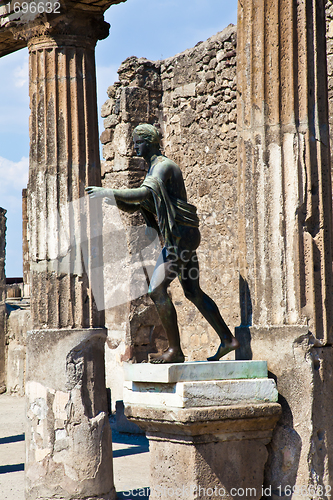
148	132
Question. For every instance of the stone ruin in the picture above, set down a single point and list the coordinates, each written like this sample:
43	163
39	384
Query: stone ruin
192	97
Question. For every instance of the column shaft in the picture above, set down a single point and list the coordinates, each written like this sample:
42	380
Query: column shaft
68	437
64	158
25	245
285	228
284	172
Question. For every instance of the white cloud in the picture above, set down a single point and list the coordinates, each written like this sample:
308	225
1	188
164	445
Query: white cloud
13	174
13	178
21	73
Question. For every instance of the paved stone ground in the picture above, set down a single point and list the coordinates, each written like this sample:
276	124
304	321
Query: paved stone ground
131	456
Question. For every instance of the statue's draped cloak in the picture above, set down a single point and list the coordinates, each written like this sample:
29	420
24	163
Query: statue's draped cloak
171	212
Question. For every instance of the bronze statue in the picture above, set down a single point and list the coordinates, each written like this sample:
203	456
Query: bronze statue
163	194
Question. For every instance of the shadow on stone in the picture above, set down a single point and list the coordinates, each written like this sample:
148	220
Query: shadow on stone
133	439
242	332
284	453
122	423
12	439
243	335
245	302
11	468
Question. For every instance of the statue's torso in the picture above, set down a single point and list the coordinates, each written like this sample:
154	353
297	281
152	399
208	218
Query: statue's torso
171	175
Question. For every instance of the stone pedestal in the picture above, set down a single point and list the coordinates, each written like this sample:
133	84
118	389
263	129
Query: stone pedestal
207	437
69	449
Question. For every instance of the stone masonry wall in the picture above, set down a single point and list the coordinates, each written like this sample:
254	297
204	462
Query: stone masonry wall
199	133
2	300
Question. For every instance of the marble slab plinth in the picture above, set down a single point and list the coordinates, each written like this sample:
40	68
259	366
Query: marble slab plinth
195	371
200	394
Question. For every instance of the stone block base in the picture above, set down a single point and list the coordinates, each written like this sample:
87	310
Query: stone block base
207	453
208	425
68	436
185	469
197	394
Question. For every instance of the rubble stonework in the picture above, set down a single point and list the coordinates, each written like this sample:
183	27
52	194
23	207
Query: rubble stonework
2	300
198	122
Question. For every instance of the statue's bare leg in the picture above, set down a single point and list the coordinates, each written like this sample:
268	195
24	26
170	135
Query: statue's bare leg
189	279
165	272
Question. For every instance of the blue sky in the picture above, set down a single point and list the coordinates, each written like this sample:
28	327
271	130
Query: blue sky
154	29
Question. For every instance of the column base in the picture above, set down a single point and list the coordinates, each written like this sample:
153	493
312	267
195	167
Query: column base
68	437
302	367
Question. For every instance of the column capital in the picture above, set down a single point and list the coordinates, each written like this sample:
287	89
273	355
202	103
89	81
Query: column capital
19	20
70	28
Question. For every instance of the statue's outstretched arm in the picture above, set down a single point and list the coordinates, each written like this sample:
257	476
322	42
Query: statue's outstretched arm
135	195
114	196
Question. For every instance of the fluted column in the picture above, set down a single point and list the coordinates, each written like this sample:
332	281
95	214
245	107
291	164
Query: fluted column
64	158
68	437
284	174
285	230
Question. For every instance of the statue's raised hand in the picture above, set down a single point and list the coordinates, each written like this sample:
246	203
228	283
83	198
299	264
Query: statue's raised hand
96	192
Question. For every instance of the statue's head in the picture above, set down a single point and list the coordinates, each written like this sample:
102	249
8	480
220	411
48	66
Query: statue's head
147	132
145	137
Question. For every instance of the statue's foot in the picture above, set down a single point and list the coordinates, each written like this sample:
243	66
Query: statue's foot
224	348
169	356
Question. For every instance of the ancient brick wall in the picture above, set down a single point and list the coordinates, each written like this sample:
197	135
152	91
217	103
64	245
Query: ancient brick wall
191	98
2	300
